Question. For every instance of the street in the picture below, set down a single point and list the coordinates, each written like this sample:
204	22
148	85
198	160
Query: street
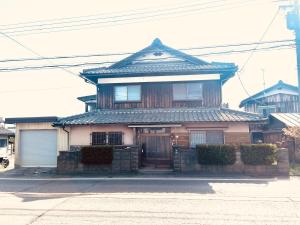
164	200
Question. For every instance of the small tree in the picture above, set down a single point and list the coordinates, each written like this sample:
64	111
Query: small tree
293	132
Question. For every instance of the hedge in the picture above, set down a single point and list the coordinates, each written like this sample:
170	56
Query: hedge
258	154
101	155
216	154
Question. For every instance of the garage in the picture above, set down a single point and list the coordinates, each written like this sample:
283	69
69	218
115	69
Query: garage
37	142
38	148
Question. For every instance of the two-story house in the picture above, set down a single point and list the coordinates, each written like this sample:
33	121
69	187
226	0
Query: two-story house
279	98
157	97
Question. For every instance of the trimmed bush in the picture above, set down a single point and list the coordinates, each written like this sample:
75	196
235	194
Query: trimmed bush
101	155
258	154
216	154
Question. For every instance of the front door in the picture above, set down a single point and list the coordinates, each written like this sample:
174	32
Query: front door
156	148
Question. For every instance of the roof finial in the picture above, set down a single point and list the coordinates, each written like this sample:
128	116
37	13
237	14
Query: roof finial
156	41
280	82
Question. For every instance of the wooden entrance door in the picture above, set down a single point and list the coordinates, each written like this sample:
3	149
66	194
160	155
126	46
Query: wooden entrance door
157	148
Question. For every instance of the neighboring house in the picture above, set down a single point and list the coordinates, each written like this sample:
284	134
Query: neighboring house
273	133
90	102
155	98
281	97
5	145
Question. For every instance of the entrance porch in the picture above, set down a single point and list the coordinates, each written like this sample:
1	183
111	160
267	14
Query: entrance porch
155	143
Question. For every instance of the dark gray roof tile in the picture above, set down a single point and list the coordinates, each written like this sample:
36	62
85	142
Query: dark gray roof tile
168	115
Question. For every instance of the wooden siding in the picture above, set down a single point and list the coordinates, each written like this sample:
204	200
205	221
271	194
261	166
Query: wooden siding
282	102
160	95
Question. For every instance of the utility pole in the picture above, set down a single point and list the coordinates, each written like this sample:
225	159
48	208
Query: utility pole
293	23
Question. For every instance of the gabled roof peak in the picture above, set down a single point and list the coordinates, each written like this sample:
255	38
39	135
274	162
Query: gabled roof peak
159	59
156	42
280	85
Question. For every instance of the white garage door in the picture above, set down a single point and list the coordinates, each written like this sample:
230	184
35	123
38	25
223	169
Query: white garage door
38	148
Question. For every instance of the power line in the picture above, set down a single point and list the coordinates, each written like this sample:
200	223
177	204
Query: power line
37	90
262	37
116	22
54	66
32	51
91	15
252	53
128	53
117	15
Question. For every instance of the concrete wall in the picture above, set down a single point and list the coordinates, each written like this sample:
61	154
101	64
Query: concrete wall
62	138
185	160
81	135
125	160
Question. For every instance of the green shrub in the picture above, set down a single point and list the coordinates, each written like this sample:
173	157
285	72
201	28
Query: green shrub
258	154
216	154
101	155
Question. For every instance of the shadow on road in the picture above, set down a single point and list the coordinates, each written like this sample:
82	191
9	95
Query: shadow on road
33	190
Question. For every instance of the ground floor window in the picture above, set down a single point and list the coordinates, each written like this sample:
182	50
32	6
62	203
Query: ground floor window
206	137
107	138
115	138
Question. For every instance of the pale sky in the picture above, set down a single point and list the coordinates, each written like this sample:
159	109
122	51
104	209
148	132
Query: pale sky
54	91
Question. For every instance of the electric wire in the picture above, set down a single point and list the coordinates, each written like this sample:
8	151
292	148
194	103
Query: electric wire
129	53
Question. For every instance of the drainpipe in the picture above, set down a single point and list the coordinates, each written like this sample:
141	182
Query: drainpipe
68	133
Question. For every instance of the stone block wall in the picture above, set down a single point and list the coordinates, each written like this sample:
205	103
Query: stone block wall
125	160
185	160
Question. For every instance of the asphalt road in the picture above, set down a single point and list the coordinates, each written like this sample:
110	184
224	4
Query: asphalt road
149	201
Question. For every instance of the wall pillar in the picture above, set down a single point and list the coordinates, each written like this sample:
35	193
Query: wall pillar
176	159
283	165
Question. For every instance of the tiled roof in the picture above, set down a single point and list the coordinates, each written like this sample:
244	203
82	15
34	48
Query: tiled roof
6	132
279	86
162	68
289	119
87	98
162	115
159	59
45	119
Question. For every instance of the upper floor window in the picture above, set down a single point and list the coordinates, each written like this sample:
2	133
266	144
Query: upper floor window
187	91
128	93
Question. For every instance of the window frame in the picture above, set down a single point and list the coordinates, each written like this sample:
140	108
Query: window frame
187	98
5	141
127	100
206	138
95	138
107	137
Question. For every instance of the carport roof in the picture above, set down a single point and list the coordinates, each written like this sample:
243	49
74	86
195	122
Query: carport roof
45	119
289	119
